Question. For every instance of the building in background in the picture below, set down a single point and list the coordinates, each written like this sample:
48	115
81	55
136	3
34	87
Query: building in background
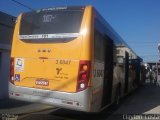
154	71
6	31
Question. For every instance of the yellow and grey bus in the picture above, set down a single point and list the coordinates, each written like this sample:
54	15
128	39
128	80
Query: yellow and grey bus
71	58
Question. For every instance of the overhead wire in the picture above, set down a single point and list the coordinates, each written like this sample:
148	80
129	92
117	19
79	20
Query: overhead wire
22	4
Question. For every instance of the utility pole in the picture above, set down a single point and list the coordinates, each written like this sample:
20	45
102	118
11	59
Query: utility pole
159	50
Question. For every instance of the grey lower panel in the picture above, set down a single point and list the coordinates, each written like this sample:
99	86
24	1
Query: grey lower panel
76	101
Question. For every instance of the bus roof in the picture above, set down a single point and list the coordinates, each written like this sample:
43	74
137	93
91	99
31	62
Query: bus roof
118	41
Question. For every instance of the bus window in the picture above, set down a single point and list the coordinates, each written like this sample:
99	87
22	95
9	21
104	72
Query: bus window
50	24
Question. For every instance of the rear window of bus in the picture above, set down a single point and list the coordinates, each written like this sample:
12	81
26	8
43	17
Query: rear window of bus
51	22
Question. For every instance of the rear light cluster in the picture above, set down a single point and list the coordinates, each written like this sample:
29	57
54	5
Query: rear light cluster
12	70
83	75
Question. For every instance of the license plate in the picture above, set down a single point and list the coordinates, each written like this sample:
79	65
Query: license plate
42	82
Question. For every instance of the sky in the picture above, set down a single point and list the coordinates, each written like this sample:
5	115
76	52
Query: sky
136	21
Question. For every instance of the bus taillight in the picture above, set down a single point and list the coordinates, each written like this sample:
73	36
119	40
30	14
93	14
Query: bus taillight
12	70
83	75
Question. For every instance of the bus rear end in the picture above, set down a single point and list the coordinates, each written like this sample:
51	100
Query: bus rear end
50	59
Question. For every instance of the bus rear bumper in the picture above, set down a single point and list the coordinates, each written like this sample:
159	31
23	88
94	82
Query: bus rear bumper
80	101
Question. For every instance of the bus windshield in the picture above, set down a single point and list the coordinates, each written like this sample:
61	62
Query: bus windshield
51	23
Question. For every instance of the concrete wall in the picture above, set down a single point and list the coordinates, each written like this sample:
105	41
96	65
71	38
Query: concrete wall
6	33
4	72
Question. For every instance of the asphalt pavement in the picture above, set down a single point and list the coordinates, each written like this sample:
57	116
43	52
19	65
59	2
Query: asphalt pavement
11	109
142	104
